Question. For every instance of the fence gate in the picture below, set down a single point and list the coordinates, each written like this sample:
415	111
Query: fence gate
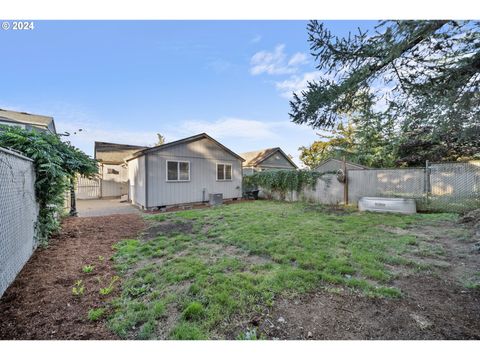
88	188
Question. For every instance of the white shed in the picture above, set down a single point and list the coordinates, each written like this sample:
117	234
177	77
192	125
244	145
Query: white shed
184	171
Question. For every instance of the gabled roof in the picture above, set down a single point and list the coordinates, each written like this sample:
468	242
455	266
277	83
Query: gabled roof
341	161
184	141
114	153
26	118
254	158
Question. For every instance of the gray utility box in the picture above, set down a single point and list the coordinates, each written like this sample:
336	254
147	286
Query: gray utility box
215	199
394	205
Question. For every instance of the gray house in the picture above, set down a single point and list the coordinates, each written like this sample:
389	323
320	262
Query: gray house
184	171
27	121
336	164
266	159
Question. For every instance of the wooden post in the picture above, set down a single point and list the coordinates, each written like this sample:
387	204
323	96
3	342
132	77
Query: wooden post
73	200
345	183
427	180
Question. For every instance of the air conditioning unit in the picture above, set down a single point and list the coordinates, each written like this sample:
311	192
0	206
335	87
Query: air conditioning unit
215	199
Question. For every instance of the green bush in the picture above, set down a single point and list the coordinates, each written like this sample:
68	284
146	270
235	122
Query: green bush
283	180
56	164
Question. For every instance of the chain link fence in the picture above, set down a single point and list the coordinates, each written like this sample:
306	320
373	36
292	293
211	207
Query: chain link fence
18	214
449	187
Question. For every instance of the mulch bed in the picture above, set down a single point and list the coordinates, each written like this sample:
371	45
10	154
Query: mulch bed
40	303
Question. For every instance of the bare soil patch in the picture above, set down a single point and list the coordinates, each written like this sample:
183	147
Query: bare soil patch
435	305
40	304
431	309
167	228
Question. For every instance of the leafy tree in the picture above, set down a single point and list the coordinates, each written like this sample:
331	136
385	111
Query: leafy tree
340	142
56	165
161	139
423	74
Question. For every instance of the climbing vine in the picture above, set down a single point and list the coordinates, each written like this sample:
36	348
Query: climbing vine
282	181
56	163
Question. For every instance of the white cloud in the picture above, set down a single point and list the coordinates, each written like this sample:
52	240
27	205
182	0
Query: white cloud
256	39
231	128
298	59
296	83
276	62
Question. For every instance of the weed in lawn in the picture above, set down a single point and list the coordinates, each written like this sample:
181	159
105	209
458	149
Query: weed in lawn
209	271
249	335
88	269
101	258
187	331
107	290
96	314
78	288
194	311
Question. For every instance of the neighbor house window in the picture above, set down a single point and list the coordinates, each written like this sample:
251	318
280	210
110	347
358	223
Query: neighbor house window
224	172
178	171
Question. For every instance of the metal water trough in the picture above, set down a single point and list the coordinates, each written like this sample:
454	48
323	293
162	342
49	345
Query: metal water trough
393	205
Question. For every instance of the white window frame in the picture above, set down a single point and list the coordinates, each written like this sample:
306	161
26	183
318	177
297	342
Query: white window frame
224	171
178	170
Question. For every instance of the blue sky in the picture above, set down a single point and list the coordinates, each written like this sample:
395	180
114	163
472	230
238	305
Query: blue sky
124	81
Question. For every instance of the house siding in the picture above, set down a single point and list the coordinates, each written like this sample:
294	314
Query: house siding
277	161
203	156
137	185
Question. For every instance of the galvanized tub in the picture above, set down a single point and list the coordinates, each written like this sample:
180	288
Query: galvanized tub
393	205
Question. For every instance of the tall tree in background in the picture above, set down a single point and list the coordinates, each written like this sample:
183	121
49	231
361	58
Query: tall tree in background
161	139
340	142
422	77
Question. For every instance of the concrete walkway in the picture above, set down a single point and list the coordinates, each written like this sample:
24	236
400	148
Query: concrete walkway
88	208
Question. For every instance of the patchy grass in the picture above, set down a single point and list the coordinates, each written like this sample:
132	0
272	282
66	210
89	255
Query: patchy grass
235	260
96	314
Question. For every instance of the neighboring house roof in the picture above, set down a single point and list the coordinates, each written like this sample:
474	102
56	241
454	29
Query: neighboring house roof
254	158
40	121
340	163
184	141
111	153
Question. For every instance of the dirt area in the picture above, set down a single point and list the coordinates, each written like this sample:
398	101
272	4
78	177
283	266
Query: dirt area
432	308
435	304
40	303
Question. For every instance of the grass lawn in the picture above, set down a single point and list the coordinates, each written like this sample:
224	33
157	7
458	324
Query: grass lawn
195	272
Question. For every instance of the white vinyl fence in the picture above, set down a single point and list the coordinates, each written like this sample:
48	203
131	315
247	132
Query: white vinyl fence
18	215
450	187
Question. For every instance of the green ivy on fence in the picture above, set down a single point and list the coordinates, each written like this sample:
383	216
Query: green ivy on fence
282	181
56	162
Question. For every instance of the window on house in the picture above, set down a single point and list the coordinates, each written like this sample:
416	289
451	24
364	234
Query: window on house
112	171
224	172
178	171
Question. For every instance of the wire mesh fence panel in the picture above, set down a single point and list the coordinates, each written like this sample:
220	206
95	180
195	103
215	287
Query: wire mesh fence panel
18	214
453	187
406	183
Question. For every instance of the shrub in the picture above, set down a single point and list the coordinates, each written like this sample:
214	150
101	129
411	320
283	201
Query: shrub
283	180
56	164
